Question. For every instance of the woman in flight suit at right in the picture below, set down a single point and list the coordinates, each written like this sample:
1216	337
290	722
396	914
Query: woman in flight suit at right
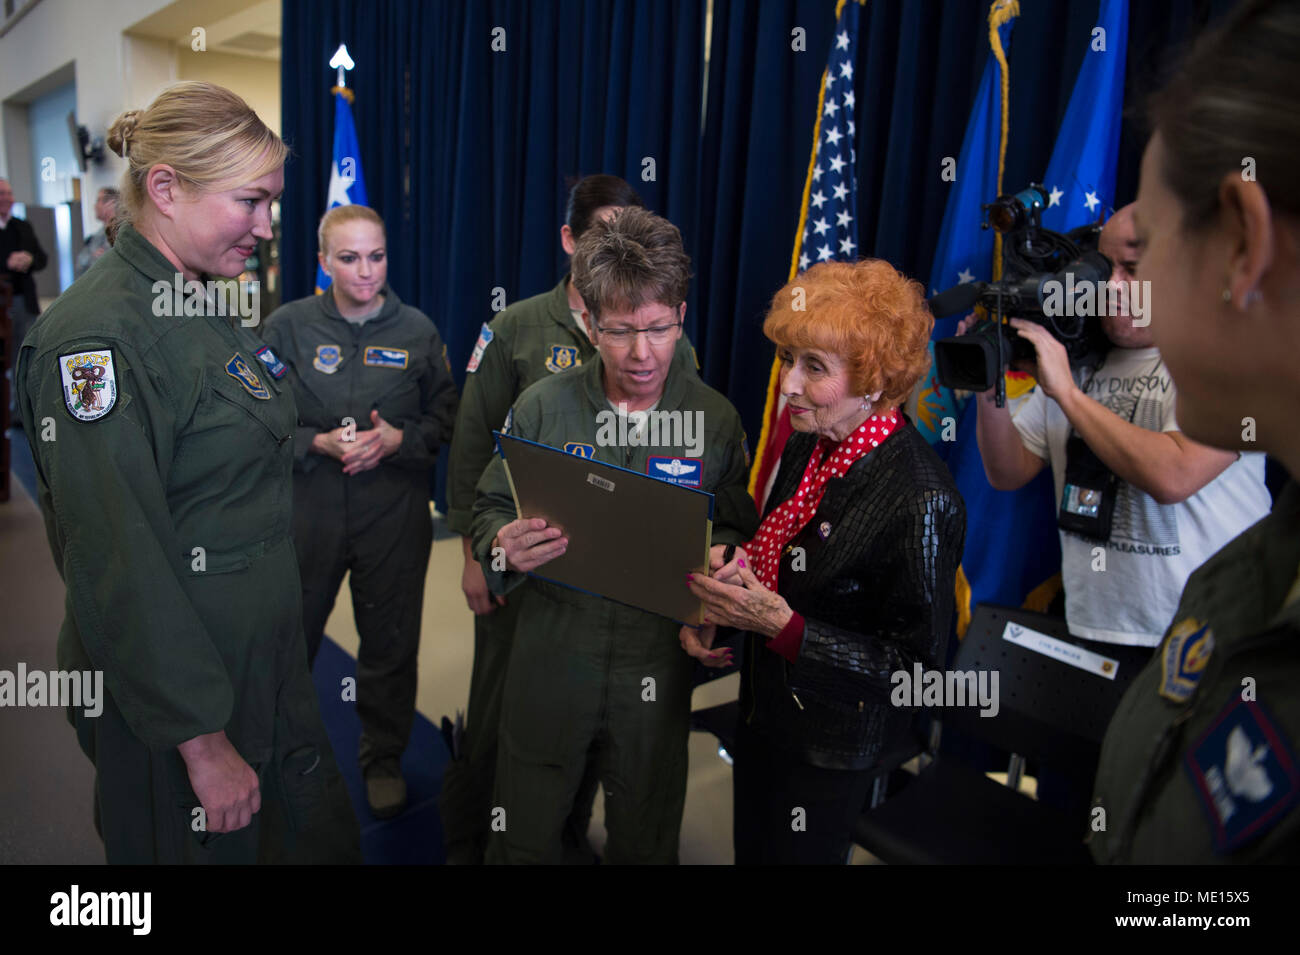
1199	764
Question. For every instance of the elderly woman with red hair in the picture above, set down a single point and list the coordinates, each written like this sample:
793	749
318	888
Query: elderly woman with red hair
850	576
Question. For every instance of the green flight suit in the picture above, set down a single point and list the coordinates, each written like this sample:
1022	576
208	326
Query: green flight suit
375	524
575	683
165	484
1199	764
528	342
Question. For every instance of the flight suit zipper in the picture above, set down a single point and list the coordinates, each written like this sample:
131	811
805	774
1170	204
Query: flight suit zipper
1165	744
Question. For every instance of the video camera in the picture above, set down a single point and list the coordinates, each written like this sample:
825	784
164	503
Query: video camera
1035	262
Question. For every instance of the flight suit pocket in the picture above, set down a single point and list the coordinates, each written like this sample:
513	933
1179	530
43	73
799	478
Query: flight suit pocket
227	400
302	777
189	808
200	563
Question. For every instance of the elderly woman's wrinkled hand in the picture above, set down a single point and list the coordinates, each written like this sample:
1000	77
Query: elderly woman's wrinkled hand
746	604
727	571
698	643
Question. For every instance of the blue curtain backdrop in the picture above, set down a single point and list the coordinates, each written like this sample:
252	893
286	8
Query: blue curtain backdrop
469	152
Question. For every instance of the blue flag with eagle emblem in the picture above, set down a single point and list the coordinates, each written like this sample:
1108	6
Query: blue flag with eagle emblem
1012	554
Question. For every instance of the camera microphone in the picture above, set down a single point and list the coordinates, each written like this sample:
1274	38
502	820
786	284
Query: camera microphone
959	298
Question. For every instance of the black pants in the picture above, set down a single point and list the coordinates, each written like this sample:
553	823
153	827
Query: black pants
789	812
386	547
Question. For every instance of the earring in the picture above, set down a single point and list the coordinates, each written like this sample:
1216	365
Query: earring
1227	294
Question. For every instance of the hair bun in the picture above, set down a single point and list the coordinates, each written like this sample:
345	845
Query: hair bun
120	133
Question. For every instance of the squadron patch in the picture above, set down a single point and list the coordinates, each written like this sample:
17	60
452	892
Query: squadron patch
581	450
1183	658
89	383
480	346
327	358
1244	771
563	357
381	356
240	370
273	364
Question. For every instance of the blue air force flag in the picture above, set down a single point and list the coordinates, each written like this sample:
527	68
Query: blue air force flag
965	250
347	184
1080	180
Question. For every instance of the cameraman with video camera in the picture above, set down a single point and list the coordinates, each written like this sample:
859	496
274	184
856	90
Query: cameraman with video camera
1139	505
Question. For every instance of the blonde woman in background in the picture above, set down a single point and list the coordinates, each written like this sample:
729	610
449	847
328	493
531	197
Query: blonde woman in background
375	402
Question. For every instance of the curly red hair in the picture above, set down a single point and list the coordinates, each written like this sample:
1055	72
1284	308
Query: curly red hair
868	313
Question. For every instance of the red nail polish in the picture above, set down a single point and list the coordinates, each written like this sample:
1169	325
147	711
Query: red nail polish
742	562
690	576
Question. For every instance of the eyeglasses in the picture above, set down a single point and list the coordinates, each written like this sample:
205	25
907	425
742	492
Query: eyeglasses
624	337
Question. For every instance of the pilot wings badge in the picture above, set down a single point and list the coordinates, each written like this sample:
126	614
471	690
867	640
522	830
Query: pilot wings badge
684	471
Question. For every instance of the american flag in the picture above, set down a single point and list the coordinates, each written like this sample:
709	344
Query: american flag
830	221
829	214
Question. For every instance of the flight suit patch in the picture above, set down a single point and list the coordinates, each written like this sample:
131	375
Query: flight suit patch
563	357
239	370
581	450
480	346
1183	658
89	383
687	472
327	358
380	356
1244	771
273	364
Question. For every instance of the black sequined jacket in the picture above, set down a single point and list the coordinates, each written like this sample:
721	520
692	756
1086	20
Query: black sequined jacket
874	583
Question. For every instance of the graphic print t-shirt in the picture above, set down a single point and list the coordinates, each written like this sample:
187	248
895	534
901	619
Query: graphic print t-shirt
1153	548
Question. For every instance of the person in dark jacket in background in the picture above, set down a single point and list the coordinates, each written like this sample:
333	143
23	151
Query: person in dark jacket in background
21	255
375	401
850	576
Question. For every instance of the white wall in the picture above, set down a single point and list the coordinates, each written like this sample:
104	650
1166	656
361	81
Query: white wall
113	72
256	81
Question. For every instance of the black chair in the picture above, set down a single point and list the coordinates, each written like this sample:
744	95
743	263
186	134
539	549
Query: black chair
1050	712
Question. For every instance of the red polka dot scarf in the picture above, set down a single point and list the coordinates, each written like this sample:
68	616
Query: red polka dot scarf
828	461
